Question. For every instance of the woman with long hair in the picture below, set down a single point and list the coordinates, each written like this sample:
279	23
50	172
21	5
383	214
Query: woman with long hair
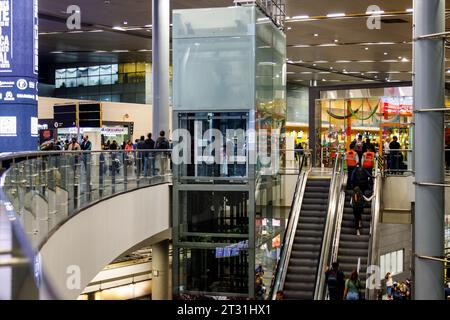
357	203
352	287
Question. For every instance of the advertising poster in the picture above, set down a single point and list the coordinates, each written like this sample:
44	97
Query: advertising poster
18	74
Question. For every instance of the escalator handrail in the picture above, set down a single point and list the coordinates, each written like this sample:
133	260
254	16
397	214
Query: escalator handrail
333	203
372	258
289	235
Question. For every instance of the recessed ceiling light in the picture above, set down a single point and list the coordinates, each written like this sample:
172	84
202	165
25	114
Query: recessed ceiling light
362	73
316	34
331	68
405	59
125	22
335	15
289	28
376	77
399	58
301	17
366	48
324	80
385	53
314	64
336	40
410	10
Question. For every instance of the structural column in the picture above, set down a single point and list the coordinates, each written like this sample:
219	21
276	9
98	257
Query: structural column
161	272
18	75
429	65
160	65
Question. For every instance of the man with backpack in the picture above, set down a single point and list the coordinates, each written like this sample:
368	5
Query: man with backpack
361	178
335	280
162	144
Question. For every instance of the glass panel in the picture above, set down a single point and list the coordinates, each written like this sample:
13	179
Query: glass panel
106	69
71	73
82	72
82	82
105	80
94	80
210	212
220	270
400	261
393	268
94	71
228	61
60	74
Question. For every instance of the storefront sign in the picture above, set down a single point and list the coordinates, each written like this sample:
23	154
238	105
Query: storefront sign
397	106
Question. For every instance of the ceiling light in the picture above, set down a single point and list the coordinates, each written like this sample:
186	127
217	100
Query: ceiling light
331	68
336	40
125	22
119	28
263	19
335	15
448	71
410	10
366	48
324	80
400	58
289	28
148	26
56	52
117	51
405	59
316	34
301	17
362	73
385	53
99	51
376	77
314	64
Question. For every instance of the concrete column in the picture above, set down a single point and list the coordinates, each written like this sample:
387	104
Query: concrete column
160	60
160	266
429	66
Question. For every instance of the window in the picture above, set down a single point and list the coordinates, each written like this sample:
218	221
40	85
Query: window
392	262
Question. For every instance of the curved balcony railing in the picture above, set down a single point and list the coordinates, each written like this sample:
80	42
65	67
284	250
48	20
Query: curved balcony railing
39	191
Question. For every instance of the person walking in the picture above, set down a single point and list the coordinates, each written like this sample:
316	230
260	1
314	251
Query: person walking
352	287
357	203
361	178
359	147
368	160
335	280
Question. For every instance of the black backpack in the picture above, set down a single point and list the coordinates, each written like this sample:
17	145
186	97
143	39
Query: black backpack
332	280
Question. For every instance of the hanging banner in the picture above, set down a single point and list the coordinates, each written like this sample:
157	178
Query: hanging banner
19	74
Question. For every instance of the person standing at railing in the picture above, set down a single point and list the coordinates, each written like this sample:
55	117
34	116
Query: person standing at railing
162	144
352	160
149	156
394	149
387	156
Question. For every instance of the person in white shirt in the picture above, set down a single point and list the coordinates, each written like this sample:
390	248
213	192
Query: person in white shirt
387	152
389	284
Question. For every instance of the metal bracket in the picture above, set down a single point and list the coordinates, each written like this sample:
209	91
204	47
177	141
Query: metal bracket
439	259
432	110
431	184
433	36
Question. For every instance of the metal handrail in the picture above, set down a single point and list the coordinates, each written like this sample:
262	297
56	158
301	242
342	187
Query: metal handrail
372	258
330	226
289	235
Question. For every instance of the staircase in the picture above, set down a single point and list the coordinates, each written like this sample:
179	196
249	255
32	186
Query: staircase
352	246
304	260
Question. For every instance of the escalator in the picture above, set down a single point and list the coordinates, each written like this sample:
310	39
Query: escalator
353	249
301	273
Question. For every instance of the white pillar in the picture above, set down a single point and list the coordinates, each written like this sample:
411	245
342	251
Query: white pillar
160	274
160	61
